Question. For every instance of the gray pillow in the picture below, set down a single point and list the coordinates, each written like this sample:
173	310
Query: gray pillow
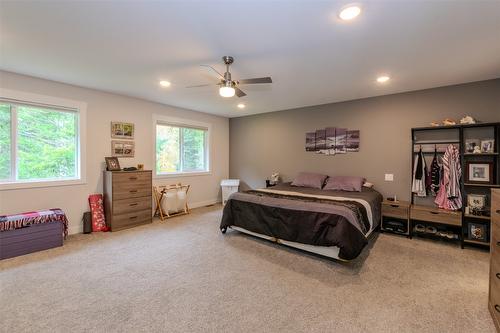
344	183
309	179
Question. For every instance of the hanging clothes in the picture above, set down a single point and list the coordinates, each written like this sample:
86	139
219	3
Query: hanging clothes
419	175
435	174
449	195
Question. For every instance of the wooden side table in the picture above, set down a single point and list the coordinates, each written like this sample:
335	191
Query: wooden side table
396	217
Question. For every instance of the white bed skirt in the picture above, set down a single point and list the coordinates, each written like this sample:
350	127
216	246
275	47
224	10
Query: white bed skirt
327	251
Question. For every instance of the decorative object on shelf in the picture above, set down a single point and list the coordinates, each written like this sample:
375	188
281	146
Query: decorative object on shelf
435	124
449	122
467	120
121	130
479	172
275	177
471	144
112	164
140	167
122	148
332	141
477	201
171	200
477	231
487	146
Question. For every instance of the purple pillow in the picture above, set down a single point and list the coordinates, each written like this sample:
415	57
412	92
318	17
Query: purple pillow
344	183
308	179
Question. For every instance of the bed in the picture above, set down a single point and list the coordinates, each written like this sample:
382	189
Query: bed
336	224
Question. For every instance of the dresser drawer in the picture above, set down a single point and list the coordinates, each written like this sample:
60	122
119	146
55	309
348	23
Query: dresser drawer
131	177
126	192
395	210
495	300
129	220
495	241
131	205
431	214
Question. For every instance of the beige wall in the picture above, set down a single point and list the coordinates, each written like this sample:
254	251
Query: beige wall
275	141
102	108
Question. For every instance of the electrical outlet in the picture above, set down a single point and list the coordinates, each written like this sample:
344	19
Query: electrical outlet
389	177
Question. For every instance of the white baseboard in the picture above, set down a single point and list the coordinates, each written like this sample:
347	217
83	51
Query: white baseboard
204	203
78	229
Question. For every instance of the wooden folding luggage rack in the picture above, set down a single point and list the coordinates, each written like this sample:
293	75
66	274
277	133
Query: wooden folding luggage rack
179	196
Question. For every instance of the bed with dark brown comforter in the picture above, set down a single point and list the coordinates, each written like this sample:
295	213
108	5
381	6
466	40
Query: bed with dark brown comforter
309	216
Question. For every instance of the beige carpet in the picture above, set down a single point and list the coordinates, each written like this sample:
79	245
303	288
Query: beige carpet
183	275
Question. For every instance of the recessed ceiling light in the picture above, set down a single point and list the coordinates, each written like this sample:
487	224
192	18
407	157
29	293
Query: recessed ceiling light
241	106
349	12
165	84
383	79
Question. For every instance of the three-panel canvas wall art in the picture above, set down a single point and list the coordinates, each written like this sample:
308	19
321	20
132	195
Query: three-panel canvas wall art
332	140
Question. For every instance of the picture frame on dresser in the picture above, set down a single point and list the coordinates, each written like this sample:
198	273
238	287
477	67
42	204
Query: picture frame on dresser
112	164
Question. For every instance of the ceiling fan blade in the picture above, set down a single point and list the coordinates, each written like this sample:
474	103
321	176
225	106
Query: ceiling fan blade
266	79
239	92
222	76
199	85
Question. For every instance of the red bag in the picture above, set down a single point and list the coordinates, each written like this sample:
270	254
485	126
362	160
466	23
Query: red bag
97	211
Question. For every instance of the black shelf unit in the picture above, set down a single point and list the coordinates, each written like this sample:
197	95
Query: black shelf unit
457	135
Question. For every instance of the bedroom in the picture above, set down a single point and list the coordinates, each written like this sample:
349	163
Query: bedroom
115	77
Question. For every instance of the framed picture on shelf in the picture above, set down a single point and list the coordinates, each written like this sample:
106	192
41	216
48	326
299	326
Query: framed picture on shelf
487	146
477	201
471	144
477	232
479	172
121	130
112	164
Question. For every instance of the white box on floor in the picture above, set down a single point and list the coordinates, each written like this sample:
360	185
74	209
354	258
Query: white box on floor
229	186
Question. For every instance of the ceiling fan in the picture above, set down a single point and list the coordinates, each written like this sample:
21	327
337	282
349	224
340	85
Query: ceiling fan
229	87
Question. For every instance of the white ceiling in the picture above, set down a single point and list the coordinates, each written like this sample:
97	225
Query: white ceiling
312	57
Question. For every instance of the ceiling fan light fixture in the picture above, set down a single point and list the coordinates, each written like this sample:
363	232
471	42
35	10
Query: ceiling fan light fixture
226	91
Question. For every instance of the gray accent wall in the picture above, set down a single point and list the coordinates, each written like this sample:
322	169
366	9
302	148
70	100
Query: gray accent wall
264	143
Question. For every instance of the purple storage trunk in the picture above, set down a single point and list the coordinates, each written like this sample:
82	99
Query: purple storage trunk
36	237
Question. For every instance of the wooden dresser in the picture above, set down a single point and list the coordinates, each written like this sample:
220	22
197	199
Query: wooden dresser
494	303
127	198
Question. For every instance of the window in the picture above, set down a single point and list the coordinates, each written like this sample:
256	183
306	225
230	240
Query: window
181	149
38	143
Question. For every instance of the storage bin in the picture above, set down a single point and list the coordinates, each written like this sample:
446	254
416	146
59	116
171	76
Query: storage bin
229	186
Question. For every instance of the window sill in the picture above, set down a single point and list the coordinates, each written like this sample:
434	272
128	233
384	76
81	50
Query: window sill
40	184
183	174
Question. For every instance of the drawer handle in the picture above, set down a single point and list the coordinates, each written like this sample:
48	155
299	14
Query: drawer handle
395	206
133	191
498	211
133	204
132	178
498	275
435	213
497	307
498	243
133	217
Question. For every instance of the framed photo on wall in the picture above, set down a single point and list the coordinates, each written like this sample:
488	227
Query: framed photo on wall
122	148
479	172
121	130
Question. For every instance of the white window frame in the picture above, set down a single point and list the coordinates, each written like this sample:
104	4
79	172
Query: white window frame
180	122
20	97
